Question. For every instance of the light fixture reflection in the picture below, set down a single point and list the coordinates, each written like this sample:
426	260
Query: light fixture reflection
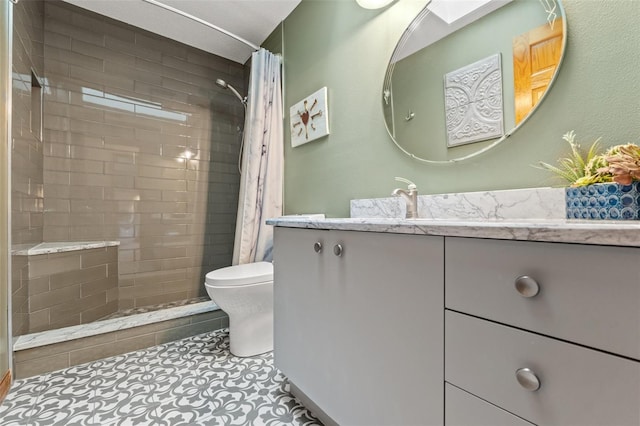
373	4
185	155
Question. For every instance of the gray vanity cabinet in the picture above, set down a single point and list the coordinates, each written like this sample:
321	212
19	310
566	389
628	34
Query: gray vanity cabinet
586	294
528	333
549	332
465	409
359	324
575	385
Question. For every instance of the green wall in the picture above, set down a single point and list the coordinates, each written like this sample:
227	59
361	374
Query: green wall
273	43
337	44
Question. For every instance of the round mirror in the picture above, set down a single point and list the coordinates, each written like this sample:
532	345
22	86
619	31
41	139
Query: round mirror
467	73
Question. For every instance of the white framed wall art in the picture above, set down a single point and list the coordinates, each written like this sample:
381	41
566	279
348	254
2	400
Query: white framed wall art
309	118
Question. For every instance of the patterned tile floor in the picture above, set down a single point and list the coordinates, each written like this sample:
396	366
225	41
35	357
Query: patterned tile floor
195	381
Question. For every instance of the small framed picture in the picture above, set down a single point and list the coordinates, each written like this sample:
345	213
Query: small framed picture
309	118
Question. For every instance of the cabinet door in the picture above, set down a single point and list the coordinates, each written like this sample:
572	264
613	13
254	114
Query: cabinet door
368	346
464	409
304	306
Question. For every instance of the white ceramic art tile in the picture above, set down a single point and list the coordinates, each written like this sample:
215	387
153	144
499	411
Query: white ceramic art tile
473	102
309	118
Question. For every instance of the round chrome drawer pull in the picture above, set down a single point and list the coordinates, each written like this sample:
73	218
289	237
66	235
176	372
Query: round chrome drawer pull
317	247
527	286
528	379
337	250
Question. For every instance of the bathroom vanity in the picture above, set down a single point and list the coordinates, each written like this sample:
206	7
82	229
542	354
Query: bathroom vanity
460	322
359	323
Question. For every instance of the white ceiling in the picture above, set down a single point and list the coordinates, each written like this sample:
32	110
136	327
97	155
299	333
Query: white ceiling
252	20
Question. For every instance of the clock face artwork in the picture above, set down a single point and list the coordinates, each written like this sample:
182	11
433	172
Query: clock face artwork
304	123
309	118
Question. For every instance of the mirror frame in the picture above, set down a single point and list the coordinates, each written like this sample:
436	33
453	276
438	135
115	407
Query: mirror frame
389	73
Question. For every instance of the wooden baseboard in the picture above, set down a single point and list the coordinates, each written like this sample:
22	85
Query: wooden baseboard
5	384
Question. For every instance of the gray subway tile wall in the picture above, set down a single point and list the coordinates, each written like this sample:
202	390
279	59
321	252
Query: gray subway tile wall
27	184
70	288
140	146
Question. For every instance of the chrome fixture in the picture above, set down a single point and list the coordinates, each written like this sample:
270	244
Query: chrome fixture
220	82
528	379
410	115
410	195
203	22
527	286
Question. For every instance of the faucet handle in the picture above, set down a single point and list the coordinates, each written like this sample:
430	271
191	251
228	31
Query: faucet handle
410	185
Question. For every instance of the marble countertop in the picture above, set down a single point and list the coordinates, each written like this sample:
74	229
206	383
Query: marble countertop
63	246
615	233
44	338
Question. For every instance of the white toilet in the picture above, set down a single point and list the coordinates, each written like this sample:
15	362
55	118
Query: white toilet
245	293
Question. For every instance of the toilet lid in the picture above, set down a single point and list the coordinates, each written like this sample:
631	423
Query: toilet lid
249	273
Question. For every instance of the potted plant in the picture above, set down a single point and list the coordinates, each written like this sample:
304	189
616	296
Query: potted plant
601	185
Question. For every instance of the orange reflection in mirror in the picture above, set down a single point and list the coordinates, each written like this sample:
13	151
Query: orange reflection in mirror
536	55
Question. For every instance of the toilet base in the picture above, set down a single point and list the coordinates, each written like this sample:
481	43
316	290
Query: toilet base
252	335
245	293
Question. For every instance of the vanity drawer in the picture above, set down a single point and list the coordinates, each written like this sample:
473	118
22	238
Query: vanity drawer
464	409
578	386
587	294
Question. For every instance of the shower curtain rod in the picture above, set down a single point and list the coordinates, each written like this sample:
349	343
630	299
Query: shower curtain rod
203	22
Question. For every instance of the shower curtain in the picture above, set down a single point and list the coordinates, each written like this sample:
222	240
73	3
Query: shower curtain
262	162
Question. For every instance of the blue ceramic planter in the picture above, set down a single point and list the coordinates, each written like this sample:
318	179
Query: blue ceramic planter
604	201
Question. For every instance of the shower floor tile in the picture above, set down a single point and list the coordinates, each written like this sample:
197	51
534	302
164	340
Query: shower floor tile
152	308
194	381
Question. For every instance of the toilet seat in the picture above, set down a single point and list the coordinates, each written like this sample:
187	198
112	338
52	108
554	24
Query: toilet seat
240	275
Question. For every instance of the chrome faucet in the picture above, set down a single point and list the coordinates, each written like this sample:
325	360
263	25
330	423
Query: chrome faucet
410	195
